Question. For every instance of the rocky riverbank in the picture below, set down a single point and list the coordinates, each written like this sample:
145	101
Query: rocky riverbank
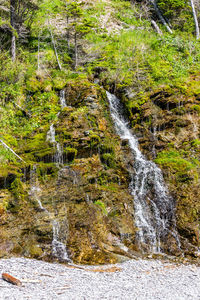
133	279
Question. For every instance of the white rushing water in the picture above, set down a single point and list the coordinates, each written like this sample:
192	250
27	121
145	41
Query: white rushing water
58	156
62	99
154	207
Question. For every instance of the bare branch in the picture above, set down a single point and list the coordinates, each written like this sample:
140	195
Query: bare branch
195	19
156	27
7	147
160	16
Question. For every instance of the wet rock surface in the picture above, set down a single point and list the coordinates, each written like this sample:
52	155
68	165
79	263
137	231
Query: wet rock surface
134	279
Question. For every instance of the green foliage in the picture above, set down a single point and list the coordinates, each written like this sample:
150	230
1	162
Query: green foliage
102	206
179	13
17	189
195	143
6	156
170	7
174	160
184	169
196	108
142	60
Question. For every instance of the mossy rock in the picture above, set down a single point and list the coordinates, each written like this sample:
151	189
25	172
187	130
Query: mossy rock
33	85
108	159
35	251
94	140
70	153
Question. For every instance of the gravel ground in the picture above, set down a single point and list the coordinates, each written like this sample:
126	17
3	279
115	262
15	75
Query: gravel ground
131	280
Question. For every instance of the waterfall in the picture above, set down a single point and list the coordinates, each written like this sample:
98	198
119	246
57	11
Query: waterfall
58	156
34	187
154	207
194	125
58	248
51	134
62	99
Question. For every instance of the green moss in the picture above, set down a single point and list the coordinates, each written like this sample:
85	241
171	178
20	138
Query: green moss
80	112
33	85
94	140
37	142
184	169
71	153
35	251
195	143
17	189
174	160
193	88
102	206
6	155
196	108
63	133
108	159
93	121
46	169
46	153
107	147
4	201
10	140
18	193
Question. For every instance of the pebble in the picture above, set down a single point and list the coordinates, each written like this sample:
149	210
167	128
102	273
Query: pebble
136	280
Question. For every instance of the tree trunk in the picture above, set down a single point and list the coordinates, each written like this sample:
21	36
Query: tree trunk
38	51
155	25
67	28
12	23
195	19
160	16
7	277
68	33
54	47
76	50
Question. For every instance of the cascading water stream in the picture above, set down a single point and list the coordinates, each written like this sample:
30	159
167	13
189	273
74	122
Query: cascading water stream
154	207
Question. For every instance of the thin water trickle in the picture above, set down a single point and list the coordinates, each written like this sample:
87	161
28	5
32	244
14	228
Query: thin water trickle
58	156
62	99
194	125
154	207
34	187
51	134
58	248
87	199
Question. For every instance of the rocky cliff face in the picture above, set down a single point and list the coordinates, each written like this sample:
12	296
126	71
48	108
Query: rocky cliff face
76	174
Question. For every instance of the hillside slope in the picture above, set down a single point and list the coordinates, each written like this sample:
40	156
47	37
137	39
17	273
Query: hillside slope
67	181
